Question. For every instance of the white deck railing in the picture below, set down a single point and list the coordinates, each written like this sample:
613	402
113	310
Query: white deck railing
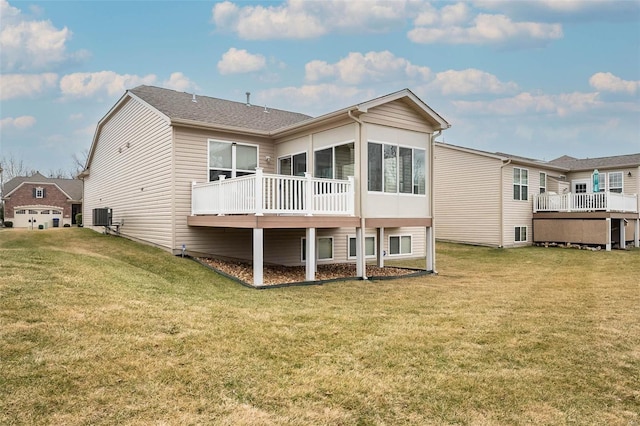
598	201
262	193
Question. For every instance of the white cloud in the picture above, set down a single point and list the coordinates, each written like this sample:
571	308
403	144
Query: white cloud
25	85
357	68
607	82
78	116
236	61
29	44
455	24
527	103
470	81
178	81
22	122
309	97
298	19
82	85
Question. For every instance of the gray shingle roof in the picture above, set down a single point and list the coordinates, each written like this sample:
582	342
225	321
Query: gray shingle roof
594	163
214	111
73	187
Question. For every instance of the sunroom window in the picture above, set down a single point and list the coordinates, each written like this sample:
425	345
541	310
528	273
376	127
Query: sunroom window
396	169
336	162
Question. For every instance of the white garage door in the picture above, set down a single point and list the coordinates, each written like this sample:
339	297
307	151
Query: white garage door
24	218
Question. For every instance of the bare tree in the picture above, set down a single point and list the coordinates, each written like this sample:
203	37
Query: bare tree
79	162
12	167
60	174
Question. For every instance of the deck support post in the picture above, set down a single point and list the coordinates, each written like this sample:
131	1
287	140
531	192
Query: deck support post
360	263
258	256
380	248
636	240
431	252
608	246
623	236
310	263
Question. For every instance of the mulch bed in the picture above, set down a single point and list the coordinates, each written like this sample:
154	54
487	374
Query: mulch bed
276	274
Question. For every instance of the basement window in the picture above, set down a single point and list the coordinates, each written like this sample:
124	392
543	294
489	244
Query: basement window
520	234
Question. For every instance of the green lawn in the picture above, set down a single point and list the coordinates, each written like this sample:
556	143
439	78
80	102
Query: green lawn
100	330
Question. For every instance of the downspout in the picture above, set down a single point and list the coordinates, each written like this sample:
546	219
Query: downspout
360	197
501	215
432	199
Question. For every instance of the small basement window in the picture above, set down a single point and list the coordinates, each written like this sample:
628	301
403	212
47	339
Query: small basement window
324	248
399	244
520	233
369	246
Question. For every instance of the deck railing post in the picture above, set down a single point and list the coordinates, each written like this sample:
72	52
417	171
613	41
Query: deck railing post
352	195
193	198
259	183
221	195
308	194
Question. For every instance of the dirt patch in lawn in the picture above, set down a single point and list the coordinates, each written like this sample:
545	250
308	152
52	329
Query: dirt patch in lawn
276	274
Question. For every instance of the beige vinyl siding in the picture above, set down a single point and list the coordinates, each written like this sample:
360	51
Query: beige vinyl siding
518	212
467	196
398	114
191	150
629	183
135	180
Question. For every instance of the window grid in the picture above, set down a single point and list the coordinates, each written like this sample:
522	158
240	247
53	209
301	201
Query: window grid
520	184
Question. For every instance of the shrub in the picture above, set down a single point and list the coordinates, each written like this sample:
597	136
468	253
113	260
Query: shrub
40	226
66	225
79	219
8	224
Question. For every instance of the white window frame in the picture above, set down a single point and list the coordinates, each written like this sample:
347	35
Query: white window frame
39	192
412	184
543	188
234	169
517	234
333	157
21	211
608	180
306	162
303	246
31	211
56	212
400	236
520	184
375	246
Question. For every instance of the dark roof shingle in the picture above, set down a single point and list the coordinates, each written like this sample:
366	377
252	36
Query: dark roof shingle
214	111
73	187
594	163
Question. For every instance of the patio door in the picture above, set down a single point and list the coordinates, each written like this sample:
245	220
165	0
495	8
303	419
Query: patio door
580	186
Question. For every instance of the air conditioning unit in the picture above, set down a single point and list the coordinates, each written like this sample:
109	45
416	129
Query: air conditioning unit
102	217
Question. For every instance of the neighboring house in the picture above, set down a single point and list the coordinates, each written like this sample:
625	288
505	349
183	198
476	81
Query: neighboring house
234	180
35	200
503	200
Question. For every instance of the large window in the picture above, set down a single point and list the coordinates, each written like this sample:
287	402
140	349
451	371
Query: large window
543	182
520	184
336	162
399	244
396	169
324	248
231	159
520	234
615	182
369	246
295	165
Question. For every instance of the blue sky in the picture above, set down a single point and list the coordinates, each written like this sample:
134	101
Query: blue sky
532	78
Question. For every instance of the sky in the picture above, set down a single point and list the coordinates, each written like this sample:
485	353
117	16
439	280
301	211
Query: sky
538	79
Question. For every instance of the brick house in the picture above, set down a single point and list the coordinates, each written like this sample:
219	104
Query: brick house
37	200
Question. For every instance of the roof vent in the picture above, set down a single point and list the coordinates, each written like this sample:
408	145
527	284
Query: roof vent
248	98
194	98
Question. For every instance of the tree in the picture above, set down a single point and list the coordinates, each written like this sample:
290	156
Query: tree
79	162
12	167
